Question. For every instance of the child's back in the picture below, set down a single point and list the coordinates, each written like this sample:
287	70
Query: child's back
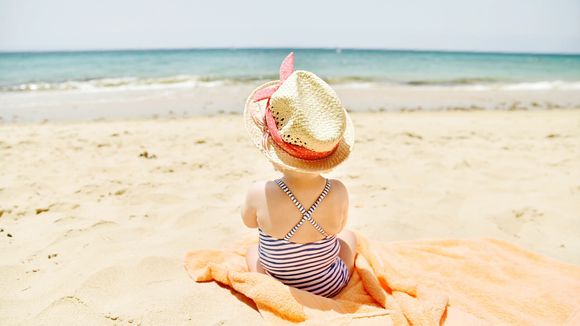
277	214
300	125
301	245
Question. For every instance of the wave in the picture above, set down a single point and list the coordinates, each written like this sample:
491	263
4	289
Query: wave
454	82
491	83
544	85
123	83
512	86
189	81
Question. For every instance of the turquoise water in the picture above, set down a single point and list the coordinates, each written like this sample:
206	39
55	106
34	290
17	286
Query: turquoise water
176	68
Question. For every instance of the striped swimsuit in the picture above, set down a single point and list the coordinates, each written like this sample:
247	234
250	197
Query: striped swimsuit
315	266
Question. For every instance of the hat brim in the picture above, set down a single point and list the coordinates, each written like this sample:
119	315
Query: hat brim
280	157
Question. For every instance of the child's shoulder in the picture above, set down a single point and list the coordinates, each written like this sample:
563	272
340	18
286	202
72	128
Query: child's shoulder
339	189
257	187
337	184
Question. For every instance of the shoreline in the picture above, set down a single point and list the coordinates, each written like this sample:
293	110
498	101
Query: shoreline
204	101
172	117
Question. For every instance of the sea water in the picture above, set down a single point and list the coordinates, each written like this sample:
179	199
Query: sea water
110	70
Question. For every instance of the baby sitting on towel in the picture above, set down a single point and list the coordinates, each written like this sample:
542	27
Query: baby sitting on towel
300	125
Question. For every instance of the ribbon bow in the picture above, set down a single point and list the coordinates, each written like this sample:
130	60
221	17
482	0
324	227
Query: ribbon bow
269	124
286	69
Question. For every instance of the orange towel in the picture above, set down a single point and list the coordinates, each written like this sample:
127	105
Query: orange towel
452	282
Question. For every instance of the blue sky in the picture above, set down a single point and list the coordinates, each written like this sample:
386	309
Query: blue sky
484	25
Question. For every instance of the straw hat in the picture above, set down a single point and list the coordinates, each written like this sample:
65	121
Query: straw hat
298	122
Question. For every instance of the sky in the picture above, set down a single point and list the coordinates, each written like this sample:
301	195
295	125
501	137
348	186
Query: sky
548	26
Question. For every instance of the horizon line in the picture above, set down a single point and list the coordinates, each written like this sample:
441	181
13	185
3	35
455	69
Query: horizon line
233	48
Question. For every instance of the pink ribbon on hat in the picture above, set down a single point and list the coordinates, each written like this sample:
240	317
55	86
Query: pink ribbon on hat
286	69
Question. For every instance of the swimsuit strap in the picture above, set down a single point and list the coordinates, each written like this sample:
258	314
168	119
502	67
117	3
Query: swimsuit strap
306	214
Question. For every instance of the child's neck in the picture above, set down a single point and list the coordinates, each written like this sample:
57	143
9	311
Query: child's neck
301	179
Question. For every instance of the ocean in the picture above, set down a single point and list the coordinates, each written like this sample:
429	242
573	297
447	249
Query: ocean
111	70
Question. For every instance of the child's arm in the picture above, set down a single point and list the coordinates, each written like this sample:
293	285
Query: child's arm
341	189
249	208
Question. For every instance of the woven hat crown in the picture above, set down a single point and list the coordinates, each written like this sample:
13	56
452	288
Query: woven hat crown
308	112
298	122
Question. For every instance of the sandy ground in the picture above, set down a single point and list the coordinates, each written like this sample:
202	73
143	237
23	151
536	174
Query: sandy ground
96	217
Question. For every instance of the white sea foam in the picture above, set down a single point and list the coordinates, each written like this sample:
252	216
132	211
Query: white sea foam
543	85
522	86
120	84
190	81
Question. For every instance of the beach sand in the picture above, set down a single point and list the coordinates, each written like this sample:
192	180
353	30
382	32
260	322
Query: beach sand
96	217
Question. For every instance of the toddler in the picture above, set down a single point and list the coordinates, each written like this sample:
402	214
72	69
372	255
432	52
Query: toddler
300	125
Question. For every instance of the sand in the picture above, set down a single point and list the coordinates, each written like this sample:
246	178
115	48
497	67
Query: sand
97	216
